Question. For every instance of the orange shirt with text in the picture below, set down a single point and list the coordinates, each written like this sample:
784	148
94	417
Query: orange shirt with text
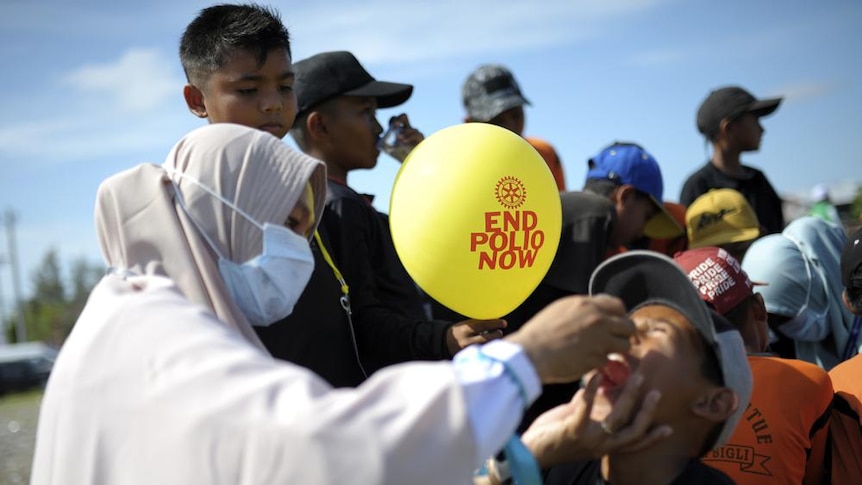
782	436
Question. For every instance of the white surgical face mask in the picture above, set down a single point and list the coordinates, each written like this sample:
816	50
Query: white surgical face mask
266	287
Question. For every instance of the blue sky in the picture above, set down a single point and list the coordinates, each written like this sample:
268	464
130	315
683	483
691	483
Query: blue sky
91	88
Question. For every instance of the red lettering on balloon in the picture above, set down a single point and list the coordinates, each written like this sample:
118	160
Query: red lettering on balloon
510	240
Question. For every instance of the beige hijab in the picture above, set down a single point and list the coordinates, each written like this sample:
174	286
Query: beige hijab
142	228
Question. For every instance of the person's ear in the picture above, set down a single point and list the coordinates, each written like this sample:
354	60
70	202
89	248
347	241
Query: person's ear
716	404
624	194
195	100
724	127
757	313
616	197
758	308
849	304
316	126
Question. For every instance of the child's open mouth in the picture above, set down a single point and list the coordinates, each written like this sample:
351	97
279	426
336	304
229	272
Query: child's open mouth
614	374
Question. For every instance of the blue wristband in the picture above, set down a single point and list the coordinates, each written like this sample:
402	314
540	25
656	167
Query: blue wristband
522	463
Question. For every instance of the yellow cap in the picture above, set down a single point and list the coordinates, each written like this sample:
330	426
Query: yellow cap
720	216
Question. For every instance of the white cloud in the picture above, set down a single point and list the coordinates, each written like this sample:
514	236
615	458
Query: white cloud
809	90
387	32
139	81
124	106
133	101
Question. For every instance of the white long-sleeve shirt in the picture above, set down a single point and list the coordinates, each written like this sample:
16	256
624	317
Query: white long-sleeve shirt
152	389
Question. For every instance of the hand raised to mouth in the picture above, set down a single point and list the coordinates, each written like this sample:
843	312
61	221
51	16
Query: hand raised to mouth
568	432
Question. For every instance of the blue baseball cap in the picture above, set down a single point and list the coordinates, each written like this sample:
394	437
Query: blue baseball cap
629	164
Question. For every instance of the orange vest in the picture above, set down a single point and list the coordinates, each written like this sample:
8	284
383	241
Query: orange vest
551	158
782	436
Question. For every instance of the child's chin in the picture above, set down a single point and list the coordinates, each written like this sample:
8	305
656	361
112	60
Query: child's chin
604	403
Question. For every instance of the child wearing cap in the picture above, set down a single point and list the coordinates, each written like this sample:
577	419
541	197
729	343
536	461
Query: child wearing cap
337	103
622	200
491	94
782	438
631	179
729	118
690	354
722	218
846	424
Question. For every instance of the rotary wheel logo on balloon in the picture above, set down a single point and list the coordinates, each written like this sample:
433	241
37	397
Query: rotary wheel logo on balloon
510	192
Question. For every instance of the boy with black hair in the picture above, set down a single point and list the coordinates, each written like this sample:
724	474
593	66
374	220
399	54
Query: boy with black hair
682	349
729	118
783	439
237	60
846	424
336	123
238	64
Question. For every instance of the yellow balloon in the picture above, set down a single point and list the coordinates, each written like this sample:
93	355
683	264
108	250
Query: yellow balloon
475	217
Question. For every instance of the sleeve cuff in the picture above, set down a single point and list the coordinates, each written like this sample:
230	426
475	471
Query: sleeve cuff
513	356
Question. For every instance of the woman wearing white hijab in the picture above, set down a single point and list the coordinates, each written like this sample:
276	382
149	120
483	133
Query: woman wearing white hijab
162	380
802	274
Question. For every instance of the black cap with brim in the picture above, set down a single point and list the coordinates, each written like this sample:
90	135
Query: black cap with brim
730	103
641	278
387	94
324	76
764	107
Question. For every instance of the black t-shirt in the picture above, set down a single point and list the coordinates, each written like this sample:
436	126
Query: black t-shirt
388	314
590	473
753	185
317	334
